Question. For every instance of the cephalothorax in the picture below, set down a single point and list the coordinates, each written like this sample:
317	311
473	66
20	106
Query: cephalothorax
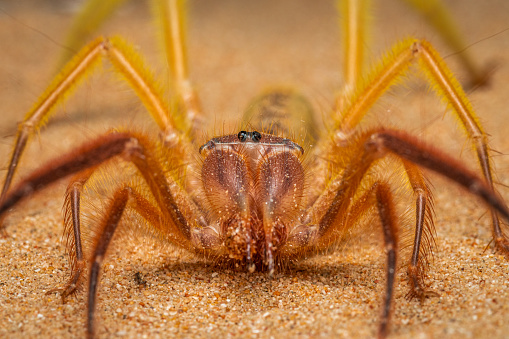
254	185
254	199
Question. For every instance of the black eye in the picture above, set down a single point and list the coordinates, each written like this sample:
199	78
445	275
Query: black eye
256	136
242	135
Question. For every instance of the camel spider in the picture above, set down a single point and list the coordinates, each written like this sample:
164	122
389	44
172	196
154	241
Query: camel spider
308	220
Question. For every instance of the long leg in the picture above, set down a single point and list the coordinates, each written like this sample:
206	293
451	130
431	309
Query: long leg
354	27
72	233
424	240
355	30
178	208
324	224
127	63
407	148
170	16
387	216
378	195
438	16
172	219
393	66
107	229
124	197
321	220
381	78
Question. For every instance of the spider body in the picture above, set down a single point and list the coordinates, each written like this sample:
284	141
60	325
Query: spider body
254	186
251	199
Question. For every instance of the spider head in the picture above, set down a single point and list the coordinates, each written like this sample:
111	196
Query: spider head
253	183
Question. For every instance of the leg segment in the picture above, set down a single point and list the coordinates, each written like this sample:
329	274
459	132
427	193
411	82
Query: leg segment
378	195
355	30
177	208
107	229
424	240
392	67
72	221
171	18
128	63
72	233
388	218
438	16
354	25
324	222
321	221
87	156
398	143
408	148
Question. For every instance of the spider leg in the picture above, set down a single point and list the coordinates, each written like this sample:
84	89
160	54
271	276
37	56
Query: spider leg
393	66
408	148
424	240
170	17
388	219
174	220
379	194
326	221
371	146
72	233
178	208
143	207
127	63
107	229
86	22
355	27
124	197
438	16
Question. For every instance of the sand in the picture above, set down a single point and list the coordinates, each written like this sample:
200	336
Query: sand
236	50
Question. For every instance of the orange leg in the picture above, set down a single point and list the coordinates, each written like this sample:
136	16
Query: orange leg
355	29
323	221
332	214
177	206
424	240
72	233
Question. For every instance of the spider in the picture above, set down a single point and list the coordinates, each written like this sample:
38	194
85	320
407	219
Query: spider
255	203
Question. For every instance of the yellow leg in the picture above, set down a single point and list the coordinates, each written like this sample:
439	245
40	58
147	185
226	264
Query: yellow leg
355	30
87	22
437	15
392	67
170	14
354	27
127	63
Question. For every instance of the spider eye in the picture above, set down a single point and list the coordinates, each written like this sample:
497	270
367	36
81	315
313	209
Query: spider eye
256	136
242	135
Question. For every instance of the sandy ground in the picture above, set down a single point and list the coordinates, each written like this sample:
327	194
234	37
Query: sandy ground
237	49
